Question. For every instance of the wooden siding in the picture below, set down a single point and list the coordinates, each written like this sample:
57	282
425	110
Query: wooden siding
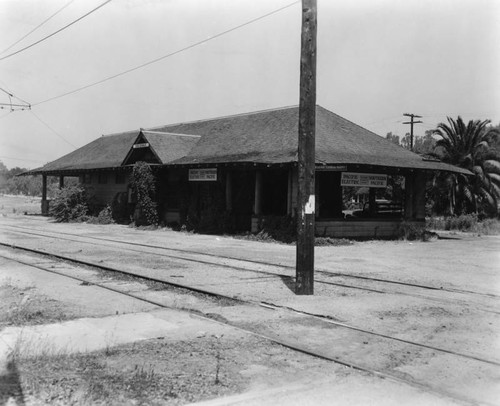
104	192
362	229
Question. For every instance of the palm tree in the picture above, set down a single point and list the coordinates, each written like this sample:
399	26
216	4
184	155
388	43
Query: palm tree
469	146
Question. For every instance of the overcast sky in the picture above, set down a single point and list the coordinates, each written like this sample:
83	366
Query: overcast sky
377	59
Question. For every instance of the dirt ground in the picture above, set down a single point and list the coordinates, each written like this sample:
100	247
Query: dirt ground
458	321
169	370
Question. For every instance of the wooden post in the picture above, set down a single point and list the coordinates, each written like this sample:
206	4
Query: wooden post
304	284
61	181
229	192
409	196
45	208
258	193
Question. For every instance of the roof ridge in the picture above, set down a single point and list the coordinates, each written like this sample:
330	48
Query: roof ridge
121	133
169	133
226	116
352	122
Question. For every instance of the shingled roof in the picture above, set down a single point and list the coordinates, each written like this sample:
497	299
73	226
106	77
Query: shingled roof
265	137
110	151
271	137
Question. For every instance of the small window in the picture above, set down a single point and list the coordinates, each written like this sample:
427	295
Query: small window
103	178
120	178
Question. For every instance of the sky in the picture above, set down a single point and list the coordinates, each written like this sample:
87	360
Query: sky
376	60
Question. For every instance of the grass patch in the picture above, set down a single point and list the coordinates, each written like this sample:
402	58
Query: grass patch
465	223
20	307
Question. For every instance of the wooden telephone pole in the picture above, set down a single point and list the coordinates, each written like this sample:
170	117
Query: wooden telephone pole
304	284
412	116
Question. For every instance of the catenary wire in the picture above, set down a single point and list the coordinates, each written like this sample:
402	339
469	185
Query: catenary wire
167	55
37	27
20	159
51	129
56	32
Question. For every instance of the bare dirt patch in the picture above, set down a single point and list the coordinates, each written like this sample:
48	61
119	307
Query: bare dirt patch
164	372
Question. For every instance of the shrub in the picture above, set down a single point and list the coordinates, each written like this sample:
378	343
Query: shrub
105	216
465	222
143	183
279	228
69	204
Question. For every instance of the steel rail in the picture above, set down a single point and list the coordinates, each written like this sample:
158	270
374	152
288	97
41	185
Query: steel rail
321	271
282	342
274	274
250	302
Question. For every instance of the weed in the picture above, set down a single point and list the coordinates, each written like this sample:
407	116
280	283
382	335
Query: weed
466	223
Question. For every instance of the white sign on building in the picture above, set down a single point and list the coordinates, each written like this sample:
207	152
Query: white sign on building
205	174
363	179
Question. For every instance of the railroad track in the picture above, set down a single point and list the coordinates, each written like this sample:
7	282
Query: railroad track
323	277
296	346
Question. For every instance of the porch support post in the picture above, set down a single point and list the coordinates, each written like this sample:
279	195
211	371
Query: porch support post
61	181
229	192
289	193
45	206
419	196
409	196
258	193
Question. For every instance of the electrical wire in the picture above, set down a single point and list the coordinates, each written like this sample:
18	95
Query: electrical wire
20	159
37	27
14	106
51	129
56	32
167	55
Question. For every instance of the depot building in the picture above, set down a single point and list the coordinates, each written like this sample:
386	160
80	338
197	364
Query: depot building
241	172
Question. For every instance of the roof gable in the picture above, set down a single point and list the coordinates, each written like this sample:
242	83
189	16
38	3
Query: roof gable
141	150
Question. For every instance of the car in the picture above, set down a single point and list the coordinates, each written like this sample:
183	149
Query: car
383	208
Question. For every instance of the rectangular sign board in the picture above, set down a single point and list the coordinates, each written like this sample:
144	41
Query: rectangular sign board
363	179
331	168
143	145
206	174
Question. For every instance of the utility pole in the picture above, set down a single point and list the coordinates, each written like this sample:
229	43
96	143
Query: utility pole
304	284
412	116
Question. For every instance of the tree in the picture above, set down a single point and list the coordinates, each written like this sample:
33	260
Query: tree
393	138
468	146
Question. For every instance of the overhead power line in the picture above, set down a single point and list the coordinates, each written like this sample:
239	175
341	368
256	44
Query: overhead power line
14	106
167	55
37	27
51	129
56	32
20	159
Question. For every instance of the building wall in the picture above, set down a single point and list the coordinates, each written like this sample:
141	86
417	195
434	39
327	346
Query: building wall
103	186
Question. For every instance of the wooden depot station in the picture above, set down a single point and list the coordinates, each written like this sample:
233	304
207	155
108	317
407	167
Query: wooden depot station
243	168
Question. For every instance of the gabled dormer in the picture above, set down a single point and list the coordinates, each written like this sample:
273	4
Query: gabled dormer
141	151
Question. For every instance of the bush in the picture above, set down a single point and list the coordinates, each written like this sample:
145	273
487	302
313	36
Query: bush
143	183
466	223
69	204
279	228
105	216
